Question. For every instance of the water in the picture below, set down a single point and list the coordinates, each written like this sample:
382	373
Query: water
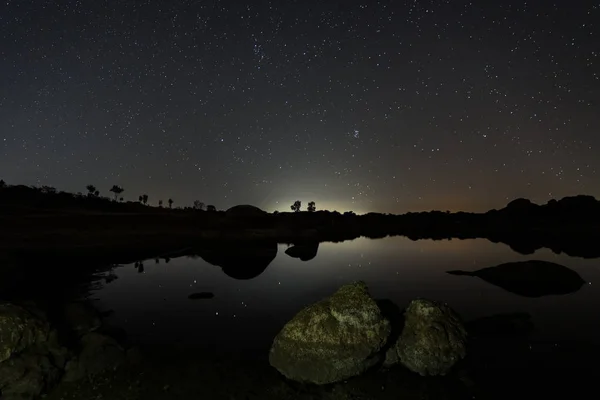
217	348
244	315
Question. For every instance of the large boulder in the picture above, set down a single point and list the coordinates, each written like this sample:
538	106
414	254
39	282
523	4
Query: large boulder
332	340
98	353
31	357
19	328
432	341
27	375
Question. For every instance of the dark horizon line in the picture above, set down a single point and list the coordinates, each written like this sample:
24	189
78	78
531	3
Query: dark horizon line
50	190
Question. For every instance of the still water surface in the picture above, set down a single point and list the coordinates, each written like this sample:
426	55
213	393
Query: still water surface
244	315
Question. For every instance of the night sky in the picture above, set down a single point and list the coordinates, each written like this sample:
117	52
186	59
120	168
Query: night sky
385	106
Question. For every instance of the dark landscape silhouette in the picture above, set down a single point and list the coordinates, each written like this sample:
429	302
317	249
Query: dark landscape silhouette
90	243
44	219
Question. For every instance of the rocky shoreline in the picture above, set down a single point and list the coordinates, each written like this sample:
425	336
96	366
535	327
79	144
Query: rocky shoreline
41	348
346	346
343	336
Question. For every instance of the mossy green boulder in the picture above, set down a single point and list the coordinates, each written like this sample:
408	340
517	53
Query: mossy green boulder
332	340
432	341
19	329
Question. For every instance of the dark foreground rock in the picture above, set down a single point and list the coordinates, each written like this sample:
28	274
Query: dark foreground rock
433	339
28	375
81	317
19	329
33	359
97	353
334	339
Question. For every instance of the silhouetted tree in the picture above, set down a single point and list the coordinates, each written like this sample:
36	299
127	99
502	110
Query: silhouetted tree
160	203
296	206
198	205
121	199
145	199
141	198
48	189
211	208
170	203
312	207
97	193
2	184
117	190
92	190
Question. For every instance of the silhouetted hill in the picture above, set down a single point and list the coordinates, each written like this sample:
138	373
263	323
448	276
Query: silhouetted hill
44	217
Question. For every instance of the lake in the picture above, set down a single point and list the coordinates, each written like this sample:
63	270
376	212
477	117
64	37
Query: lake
245	314
539	343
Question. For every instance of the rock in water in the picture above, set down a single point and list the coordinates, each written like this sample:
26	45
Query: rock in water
19	329
98	353
533	278
332	340
433	338
201	296
82	317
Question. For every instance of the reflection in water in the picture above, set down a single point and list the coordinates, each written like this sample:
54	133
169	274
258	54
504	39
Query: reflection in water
270	287
173	305
303	251
139	265
242	261
530	278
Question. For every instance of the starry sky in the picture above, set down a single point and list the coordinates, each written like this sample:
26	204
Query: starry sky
385	106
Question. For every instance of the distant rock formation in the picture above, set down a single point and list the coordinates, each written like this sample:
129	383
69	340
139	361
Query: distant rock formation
245	210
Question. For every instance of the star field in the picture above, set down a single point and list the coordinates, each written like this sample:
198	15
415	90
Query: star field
386	106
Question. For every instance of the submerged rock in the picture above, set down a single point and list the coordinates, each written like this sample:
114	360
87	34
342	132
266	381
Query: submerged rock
201	296
334	339
82	317
533	278
432	341
98	353
19	328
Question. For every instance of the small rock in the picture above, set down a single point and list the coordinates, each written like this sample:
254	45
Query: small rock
433	338
201	295
82	317
98	353
134	355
